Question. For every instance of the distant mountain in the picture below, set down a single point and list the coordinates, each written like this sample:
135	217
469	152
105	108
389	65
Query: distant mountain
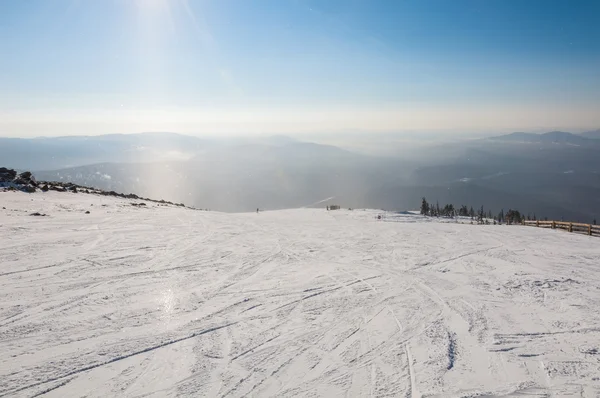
561	137
595	134
552	137
518	137
242	177
47	153
53	153
556	174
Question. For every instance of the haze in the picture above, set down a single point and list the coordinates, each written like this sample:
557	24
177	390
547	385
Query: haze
235	67
237	105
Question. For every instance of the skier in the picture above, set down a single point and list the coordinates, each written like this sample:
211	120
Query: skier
257	210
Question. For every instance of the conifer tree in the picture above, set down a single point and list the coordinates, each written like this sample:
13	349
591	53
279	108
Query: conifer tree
424	207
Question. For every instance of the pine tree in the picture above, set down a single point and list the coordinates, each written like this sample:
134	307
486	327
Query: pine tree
449	210
424	207
513	217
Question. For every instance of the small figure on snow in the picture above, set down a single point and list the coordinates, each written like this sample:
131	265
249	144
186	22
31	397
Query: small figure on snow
257	210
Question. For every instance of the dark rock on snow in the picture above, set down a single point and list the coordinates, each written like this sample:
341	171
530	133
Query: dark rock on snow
26	182
7	175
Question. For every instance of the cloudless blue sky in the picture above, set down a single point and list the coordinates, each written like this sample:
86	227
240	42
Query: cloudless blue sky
79	66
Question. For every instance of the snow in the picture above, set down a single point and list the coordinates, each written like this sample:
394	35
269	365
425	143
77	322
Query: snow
161	301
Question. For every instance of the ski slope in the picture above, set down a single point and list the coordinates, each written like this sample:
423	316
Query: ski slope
165	301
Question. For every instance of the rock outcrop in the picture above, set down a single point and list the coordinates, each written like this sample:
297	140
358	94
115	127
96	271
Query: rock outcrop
7	175
26	182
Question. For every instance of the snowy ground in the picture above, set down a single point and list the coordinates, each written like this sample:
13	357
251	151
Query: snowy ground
165	301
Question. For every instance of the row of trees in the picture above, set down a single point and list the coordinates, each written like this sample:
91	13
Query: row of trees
481	215
449	210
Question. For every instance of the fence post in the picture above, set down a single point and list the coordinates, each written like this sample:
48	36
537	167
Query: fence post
570	227
553	225
537	223
590	229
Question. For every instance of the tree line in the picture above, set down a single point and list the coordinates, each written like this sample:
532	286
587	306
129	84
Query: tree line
480	215
512	216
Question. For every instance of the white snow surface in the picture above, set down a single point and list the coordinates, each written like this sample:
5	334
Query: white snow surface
167	301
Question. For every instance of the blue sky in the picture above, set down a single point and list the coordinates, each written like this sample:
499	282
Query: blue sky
286	66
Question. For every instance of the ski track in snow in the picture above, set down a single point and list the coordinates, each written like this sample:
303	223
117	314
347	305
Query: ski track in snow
166	301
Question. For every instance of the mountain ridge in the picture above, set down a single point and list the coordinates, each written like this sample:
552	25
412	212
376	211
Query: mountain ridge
586	138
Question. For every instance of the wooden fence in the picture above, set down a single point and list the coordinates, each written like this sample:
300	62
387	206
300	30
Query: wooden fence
588	229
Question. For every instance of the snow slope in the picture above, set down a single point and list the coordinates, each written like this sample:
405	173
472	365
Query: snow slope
167	301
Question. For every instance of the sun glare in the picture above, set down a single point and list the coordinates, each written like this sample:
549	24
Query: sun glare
151	4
